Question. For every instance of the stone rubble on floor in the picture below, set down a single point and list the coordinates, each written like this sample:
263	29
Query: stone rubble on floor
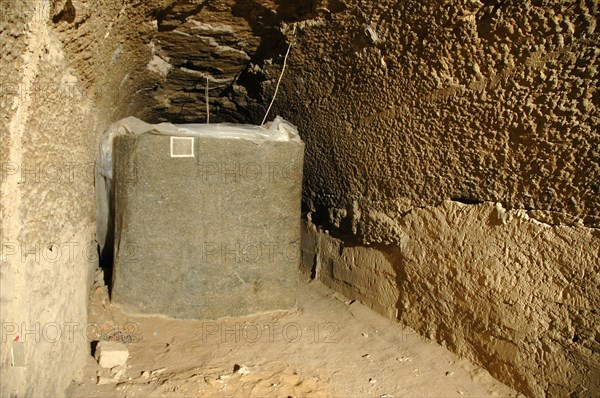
110	354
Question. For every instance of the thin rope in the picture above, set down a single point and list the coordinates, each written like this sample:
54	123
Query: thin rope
207	103
278	81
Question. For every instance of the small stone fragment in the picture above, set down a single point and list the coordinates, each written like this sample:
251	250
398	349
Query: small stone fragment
110	354
105	380
118	372
157	371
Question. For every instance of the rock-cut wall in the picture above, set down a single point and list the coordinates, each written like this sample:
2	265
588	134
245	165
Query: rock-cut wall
453	161
515	295
47	242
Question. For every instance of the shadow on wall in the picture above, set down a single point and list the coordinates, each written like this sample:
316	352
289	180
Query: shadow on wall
169	18
265	24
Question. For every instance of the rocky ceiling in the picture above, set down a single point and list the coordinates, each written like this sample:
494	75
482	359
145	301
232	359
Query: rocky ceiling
222	45
168	53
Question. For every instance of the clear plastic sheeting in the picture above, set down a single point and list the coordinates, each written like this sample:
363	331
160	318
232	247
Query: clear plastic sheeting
277	130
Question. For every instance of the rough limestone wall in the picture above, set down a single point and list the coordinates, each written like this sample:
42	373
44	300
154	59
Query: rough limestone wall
407	105
47	209
518	296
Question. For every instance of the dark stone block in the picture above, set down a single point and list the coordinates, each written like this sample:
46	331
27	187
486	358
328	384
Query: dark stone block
212	235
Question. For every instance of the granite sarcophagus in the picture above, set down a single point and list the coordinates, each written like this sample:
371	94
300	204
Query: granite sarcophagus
207	219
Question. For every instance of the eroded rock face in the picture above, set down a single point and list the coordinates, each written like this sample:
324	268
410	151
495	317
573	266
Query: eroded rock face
155	59
515	295
47	246
410	103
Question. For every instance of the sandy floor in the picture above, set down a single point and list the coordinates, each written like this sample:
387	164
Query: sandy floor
328	348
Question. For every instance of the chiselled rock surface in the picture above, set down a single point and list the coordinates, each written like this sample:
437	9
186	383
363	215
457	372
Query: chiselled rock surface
517	296
47	246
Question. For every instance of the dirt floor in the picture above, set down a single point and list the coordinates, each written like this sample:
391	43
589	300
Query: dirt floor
329	347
